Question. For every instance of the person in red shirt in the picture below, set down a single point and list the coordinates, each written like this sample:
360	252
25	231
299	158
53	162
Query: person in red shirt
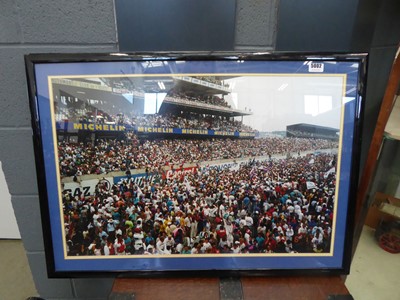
221	233
270	243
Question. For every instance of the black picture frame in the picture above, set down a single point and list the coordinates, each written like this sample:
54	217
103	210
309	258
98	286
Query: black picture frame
87	109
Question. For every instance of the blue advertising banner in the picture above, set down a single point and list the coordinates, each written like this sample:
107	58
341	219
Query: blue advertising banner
74	126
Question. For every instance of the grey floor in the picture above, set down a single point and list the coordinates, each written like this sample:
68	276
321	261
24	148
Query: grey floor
16	282
374	273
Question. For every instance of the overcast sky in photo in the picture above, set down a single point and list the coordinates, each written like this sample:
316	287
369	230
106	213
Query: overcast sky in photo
278	101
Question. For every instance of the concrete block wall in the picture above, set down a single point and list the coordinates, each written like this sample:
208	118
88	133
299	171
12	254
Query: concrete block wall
42	27
256	25
74	26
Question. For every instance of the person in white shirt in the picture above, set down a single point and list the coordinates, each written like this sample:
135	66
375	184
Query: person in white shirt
169	242
289	233
249	221
160	245
206	246
236	249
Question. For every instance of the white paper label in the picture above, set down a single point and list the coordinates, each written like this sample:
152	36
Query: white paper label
316	67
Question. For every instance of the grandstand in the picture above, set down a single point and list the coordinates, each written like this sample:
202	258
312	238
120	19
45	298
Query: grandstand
312	131
93	108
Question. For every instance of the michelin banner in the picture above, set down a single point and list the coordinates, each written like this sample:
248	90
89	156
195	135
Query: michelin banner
75	127
170	130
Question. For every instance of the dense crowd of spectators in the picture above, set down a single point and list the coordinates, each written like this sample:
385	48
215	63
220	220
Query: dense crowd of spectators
122	155
207	99
272	206
192	121
211	79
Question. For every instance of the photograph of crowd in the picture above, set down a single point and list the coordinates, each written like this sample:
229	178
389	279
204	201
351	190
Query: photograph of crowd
209	171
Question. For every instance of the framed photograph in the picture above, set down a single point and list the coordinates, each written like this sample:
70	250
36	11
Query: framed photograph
215	164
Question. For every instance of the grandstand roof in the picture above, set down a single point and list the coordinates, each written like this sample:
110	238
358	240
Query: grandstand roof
304	125
115	103
199	89
202	108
